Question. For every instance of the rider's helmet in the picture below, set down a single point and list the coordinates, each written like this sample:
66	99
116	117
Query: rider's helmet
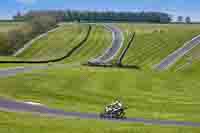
119	103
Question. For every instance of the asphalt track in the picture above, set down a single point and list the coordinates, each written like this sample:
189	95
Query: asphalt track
176	55
14	106
111	52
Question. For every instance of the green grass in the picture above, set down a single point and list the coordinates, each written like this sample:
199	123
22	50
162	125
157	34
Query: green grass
154	42
57	43
99	40
23	123
167	95
148	95
9	58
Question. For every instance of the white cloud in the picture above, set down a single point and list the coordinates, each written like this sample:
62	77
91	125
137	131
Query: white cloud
26	1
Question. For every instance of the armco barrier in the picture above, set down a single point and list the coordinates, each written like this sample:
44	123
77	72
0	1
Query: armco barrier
119	61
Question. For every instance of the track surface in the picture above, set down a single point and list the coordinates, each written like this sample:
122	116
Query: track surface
111	52
13	106
14	71
175	56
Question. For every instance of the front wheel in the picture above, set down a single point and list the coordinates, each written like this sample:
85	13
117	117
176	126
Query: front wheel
122	116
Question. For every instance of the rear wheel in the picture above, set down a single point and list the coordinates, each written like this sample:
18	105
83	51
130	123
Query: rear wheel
102	115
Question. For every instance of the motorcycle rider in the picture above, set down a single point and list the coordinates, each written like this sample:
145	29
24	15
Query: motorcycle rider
114	110
114	106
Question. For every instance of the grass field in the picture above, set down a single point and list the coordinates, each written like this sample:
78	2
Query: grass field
57	43
99	40
151	95
154	42
148	95
23	123
60	42
9	58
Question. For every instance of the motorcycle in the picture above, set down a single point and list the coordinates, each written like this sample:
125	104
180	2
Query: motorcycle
114	113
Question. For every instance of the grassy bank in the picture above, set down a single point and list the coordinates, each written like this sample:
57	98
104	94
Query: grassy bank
60	42
167	95
99	40
56	44
148	95
154	42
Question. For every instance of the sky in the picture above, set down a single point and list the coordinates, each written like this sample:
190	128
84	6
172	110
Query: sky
191	8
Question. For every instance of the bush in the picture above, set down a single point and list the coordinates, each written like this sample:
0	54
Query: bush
42	24
18	37
4	45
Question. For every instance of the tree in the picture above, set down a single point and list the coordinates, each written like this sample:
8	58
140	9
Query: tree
101	16
18	17
35	26
180	19
188	20
4	46
18	14
16	38
42	24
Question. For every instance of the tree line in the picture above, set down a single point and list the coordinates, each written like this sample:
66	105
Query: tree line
181	19
98	16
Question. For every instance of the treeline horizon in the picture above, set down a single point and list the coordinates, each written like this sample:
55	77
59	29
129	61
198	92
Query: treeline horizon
97	16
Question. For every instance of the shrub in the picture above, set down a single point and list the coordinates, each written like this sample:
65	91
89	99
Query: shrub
42	23
18	37
4	45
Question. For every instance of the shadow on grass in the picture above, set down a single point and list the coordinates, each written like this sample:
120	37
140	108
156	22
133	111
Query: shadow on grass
113	66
